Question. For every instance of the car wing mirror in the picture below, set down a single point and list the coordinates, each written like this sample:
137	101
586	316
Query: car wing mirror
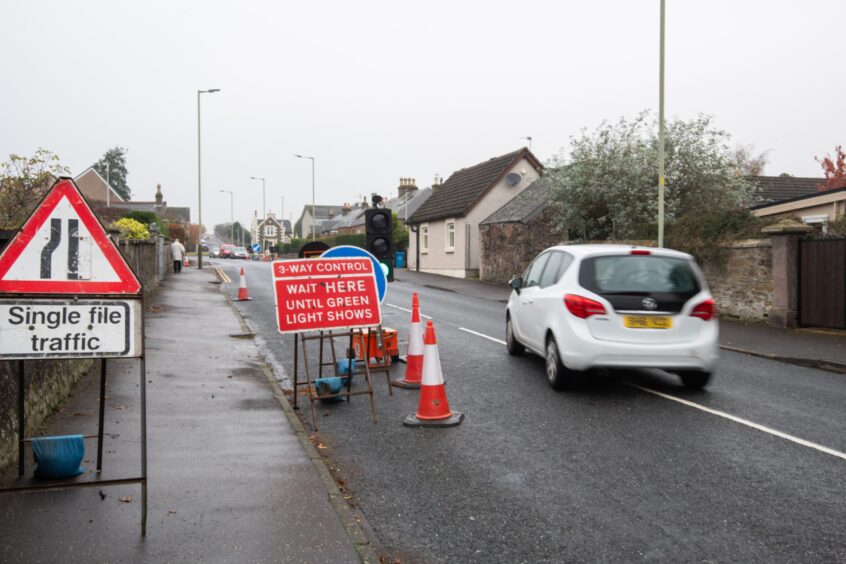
516	283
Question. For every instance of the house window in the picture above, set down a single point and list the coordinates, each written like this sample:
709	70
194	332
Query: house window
424	238
270	231
450	236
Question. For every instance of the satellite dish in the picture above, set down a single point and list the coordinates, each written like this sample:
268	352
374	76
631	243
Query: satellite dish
512	179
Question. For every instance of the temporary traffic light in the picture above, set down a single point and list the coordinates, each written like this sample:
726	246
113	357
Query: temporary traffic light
378	227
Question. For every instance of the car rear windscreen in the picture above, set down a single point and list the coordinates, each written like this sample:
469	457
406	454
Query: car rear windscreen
639	274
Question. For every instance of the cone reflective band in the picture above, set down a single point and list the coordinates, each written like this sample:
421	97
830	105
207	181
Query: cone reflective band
242	288
414	355
433	408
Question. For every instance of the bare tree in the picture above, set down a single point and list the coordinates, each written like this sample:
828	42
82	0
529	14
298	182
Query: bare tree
23	182
749	164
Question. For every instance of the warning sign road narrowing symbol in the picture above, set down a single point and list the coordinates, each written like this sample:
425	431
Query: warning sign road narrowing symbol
63	249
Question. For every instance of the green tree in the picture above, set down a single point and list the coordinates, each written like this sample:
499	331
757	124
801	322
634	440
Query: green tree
400	233
112	167
607	185
23	182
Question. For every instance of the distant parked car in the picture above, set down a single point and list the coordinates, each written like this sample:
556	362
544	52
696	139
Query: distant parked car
225	250
240	253
607	306
214	251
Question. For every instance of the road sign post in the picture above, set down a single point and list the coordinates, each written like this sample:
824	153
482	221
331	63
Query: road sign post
66	292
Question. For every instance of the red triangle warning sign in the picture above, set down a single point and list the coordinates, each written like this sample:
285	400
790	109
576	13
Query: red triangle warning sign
63	249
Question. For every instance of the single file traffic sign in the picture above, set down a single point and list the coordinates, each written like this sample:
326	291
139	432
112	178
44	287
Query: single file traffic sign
63	249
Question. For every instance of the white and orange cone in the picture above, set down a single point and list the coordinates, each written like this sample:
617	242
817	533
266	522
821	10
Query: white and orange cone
243	294
414	356
433	408
185	261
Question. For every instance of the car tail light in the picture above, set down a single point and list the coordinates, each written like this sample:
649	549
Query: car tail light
641	252
583	307
704	311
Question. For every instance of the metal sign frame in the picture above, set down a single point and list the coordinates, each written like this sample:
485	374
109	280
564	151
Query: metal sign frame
129	288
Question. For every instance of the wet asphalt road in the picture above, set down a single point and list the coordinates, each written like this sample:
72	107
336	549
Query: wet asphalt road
609	472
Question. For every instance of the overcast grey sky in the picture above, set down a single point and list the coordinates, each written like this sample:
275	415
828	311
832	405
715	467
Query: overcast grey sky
382	90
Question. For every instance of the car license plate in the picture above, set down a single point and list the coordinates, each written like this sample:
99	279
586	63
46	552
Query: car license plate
648	322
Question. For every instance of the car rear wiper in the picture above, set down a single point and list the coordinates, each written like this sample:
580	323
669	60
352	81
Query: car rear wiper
625	293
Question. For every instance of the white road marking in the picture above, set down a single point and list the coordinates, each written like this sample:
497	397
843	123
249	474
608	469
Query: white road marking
488	337
407	310
746	422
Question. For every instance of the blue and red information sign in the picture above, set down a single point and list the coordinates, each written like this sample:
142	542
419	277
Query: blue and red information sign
325	293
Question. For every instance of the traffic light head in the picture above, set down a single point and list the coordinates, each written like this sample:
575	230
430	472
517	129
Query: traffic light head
378	225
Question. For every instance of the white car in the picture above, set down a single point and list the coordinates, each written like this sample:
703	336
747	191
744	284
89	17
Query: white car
614	306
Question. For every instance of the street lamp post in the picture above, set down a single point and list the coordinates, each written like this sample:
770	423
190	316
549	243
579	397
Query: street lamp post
661	134
263	209
199	179
231	216
313	216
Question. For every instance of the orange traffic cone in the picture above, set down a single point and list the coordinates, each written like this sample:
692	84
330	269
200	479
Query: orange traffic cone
414	357
433	408
185	261
243	294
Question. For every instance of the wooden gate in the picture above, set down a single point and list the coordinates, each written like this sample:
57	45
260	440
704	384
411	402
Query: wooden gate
822	283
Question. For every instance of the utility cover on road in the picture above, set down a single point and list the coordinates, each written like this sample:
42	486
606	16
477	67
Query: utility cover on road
319	294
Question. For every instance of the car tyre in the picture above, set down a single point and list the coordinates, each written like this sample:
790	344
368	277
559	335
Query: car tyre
694	379
515	348
559	376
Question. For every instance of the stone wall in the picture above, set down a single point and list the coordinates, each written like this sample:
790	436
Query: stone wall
149	259
47	384
743	286
508	248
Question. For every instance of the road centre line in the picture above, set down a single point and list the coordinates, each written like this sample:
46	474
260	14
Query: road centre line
742	421
407	310
482	335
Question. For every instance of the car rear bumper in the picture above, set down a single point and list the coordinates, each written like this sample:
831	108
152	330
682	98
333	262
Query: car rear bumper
582	352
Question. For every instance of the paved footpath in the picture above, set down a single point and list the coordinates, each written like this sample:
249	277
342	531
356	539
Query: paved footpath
232	476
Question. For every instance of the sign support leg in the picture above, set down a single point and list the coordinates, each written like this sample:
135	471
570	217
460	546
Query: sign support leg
296	368
143	390
21	419
102	415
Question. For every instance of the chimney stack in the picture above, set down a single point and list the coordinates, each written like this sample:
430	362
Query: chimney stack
158	194
406	186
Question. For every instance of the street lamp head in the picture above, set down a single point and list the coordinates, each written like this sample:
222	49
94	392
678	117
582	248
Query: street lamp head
213	90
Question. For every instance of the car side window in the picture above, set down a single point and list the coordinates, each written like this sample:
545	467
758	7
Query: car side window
554	269
533	273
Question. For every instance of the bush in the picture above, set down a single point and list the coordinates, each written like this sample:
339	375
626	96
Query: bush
131	229
148	218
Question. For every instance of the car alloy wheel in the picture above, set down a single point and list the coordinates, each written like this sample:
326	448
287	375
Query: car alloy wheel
556	373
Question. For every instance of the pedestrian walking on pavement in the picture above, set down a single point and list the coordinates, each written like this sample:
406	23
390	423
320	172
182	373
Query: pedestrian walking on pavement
177	252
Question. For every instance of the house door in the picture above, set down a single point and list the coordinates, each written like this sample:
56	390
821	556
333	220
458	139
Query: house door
822	283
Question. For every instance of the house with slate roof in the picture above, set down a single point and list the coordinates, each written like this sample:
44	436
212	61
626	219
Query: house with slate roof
773	189
323	214
446	239
814	208
515	233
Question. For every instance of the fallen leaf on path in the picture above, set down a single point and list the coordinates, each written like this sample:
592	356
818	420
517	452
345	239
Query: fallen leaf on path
125	499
